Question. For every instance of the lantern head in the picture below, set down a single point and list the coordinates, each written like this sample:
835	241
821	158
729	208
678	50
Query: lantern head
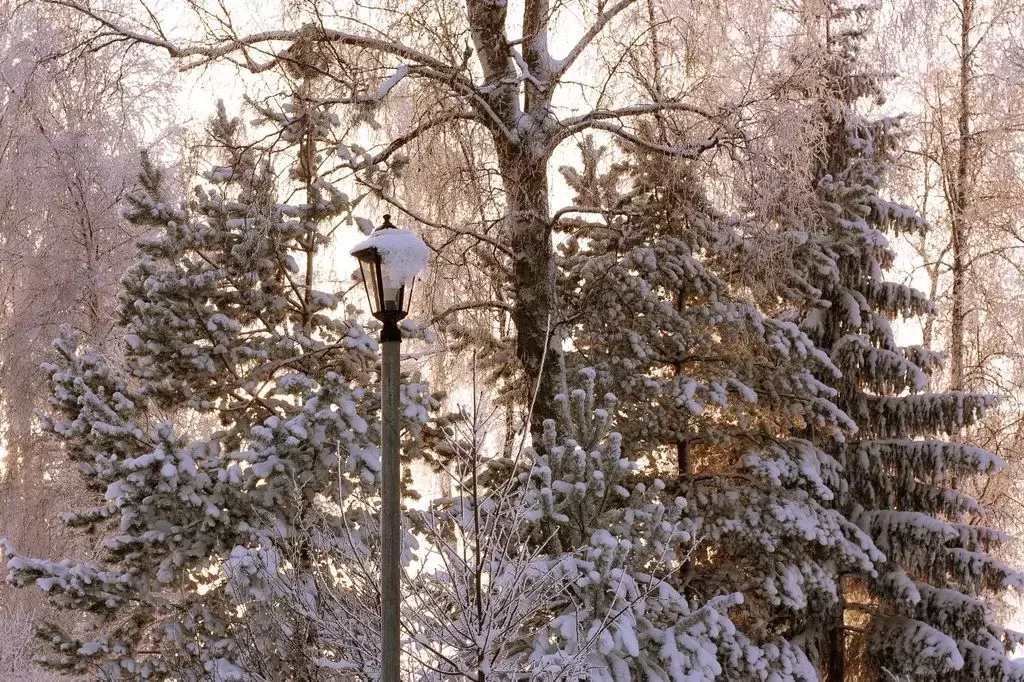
388	260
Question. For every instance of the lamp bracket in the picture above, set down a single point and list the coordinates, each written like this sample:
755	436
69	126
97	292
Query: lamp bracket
391	331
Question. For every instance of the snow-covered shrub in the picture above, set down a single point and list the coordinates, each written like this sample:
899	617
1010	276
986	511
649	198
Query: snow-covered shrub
567	565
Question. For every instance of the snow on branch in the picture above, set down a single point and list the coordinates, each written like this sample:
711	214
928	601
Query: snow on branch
391	82
385	87
524	69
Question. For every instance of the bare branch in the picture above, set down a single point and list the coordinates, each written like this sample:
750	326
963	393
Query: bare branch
424	65
420	218
619	130
648	108
563	65
593	119
429	124
470	305
227	46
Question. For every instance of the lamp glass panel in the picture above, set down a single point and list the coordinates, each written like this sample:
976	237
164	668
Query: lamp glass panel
370	280
407	297
392	298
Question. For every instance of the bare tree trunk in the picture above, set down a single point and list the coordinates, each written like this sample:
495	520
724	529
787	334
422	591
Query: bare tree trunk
960	200
533	268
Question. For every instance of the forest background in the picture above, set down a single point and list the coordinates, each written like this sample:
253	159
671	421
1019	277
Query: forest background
510	137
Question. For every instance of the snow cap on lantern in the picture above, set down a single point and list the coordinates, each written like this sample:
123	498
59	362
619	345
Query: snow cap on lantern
390	259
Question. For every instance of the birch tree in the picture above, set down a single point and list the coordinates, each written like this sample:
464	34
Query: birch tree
70	129
961	171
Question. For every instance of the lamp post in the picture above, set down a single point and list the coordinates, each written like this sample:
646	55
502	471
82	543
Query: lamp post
389	260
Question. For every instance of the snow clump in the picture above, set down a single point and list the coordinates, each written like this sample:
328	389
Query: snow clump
403	255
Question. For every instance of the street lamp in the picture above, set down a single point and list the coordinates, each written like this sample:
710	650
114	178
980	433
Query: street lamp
389	260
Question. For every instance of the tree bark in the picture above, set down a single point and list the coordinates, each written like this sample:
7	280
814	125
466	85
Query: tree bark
534	310
835	643
960	201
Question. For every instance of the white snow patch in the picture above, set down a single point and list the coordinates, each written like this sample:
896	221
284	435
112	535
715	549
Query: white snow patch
403	255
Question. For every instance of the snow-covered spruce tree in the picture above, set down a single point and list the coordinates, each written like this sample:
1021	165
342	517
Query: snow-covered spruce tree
711	394
925	613
227	448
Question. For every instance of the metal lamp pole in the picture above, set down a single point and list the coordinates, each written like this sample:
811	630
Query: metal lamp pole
390	513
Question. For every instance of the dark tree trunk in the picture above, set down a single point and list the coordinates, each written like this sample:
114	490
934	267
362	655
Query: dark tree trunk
835	644
534	308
